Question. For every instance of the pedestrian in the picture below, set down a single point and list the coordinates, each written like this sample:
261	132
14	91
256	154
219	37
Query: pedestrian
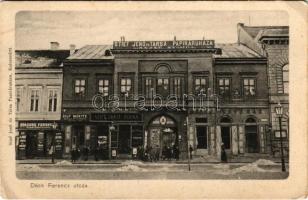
157	152
96	153
85	153
223	153
73	155
190	151
52	153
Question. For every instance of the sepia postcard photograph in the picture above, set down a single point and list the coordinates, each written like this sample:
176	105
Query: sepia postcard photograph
154	95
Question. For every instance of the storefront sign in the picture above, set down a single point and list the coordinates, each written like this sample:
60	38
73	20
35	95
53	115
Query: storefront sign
38	125
114	153
22	141
75	117
176	44
115	117
58	141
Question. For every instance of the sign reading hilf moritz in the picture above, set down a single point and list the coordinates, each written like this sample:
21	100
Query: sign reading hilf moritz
175	44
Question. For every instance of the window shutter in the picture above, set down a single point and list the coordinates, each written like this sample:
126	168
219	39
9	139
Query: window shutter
218	141
241	139
212	140
262	138
68	133
234	140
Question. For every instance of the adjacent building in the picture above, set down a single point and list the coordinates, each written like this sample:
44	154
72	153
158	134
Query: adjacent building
38	81
273	42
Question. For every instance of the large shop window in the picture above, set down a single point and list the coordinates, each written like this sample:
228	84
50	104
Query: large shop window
52	100
224	87
201	137
163	86
126	86
18	98
285	77
137	136
200	84
80	87
34	102
249	87
104	87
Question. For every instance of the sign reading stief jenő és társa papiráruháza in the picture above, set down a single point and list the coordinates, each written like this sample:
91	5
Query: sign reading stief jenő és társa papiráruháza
176	44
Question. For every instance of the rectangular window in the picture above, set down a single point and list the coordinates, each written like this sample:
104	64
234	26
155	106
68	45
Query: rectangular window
163	86
177	87
80	87
283	134
104	87
18	99
34	102
200	85
224	87
201	137
52	100
126	86
249	87
149	87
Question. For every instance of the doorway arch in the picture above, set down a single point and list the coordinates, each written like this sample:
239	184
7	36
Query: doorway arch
252	136
162	132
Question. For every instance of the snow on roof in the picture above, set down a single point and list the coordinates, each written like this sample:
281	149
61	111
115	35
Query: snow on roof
92	52
269	31
235	50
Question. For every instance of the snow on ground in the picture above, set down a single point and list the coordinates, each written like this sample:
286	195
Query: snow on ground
63	162
251	167
265	162
130	167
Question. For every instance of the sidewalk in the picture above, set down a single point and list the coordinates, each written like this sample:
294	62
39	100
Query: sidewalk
198	160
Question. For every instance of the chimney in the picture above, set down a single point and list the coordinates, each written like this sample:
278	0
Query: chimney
54	45
239	28
72	49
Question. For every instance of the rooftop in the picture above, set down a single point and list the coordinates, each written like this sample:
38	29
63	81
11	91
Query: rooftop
267	31
92	52
40	58
235	50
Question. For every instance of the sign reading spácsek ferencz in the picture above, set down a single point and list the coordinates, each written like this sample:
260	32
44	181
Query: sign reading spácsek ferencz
175	44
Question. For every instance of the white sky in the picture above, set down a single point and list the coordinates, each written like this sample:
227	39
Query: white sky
35	30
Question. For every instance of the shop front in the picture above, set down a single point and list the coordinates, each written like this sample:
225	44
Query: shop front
105	135
37	137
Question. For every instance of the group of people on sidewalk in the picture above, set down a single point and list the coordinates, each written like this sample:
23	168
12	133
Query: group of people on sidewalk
151	154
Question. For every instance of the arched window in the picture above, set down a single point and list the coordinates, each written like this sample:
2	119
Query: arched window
225	120
285	78
250	120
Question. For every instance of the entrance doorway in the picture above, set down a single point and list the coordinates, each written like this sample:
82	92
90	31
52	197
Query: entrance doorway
102	141
226	136
252	139
226	132
124	139
163	138
78	137
202	137
31	144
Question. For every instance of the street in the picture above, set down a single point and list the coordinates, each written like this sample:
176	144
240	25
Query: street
129	170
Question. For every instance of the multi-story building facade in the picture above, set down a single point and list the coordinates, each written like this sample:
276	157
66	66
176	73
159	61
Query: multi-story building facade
162	94
38	81
273	42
